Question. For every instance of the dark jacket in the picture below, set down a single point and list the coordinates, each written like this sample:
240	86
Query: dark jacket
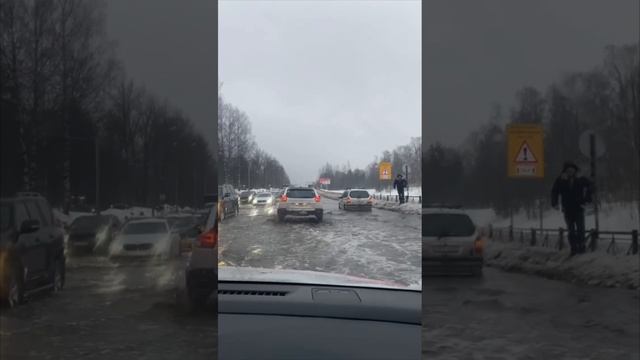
400	184
574	194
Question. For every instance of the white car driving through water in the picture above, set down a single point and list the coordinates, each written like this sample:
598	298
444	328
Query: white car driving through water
451	242
150	237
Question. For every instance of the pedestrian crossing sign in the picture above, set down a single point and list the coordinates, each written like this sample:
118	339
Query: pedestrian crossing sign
525	151
385	171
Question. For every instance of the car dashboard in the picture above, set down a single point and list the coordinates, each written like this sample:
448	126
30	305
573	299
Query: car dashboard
301	321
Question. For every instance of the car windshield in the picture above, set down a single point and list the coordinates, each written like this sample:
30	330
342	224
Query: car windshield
264	195
301	193
331	137
6	214
141	228
442	225
359	194
245	193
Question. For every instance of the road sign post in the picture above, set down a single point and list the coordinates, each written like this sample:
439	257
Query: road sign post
592	153
406	176
525	155
592	146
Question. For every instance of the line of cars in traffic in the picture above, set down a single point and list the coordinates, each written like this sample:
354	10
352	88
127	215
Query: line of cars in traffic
34	243
163	236
293	201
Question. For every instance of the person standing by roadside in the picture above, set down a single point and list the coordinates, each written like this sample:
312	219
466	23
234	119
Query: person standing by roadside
400	184
574	192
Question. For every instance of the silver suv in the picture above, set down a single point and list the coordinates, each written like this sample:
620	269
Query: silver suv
299	201
450	242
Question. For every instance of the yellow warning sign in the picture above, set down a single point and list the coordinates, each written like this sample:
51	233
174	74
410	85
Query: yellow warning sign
525	145
385	171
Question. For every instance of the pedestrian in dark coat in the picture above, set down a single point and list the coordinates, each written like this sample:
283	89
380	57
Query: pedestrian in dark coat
400	184
574	192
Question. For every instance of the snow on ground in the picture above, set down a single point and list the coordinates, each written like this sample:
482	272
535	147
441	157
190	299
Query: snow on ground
132	212
596	269
407	208
612	217
121	214
413	191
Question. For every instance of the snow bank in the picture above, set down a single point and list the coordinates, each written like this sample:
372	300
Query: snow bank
68	219
613	217
132	212
595	269
407	208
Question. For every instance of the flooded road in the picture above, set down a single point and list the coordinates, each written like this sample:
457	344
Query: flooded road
381	244
111	310
516	316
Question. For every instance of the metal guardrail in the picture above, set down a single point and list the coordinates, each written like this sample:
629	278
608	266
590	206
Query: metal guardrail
555	238
386	197
396	198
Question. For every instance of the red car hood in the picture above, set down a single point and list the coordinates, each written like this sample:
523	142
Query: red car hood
249	274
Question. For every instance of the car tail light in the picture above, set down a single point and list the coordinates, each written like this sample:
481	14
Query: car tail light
208	239
283	198
478	246
317	198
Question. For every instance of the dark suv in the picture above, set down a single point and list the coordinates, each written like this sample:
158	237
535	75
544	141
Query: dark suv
31	248
202	268
229	204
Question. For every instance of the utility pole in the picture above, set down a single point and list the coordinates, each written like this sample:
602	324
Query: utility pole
406	174
592	153
97	150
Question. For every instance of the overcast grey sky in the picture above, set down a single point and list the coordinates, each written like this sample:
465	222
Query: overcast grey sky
323	81
478	52
168	46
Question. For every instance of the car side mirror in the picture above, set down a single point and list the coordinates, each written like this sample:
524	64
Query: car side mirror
29	226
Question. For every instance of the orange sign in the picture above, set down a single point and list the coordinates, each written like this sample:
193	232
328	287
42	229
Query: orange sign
385	171
525	151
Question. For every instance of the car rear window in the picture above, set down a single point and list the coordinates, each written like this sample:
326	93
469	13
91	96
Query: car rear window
359	194
265	195
245	193
447	225
301	193
139	228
